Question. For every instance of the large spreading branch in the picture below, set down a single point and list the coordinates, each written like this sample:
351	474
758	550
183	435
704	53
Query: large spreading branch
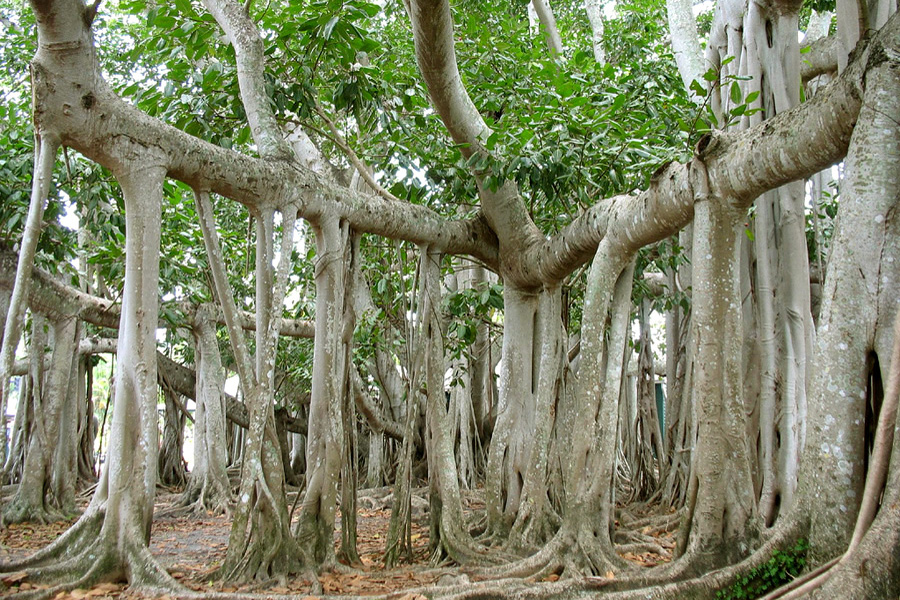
740	166
97	118
55	299
234	19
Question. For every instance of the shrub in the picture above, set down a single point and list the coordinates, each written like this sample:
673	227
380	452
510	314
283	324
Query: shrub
783	567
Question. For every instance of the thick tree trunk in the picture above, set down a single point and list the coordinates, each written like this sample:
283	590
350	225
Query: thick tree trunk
64	475
208	488
110	540
720	522
315	528
534	518
860	293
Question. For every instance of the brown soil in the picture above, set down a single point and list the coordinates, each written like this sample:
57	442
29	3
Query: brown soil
191	548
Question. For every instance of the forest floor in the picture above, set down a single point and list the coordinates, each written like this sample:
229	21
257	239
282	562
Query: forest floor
192	546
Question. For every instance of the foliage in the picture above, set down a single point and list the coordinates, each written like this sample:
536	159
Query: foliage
467	308
822	217
783	567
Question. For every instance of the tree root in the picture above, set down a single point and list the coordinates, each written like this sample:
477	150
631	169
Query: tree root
88	554
568	554
641	547
18	511
90	562
79	537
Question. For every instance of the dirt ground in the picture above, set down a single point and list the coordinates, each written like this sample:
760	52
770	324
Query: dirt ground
192	547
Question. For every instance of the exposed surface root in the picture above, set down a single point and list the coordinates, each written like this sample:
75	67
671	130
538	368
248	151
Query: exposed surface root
19	511
85	556
82	535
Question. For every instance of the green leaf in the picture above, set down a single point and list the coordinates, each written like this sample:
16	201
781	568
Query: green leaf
329	27
736	93
698	88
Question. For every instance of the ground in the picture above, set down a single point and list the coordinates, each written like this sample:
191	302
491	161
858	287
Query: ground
191	547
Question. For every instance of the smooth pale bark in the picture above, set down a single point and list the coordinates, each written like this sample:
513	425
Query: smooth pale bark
34	500
398	542
110	540
45	147
315	528
30	385
868	569
679	367
595	17
448	529
860	293
685	41
260	545
234	19
591	454
508	454
548	25
208	488
64	478
783	328
720	519
530	380
534	517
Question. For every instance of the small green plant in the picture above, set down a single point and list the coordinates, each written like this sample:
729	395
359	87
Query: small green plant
780	569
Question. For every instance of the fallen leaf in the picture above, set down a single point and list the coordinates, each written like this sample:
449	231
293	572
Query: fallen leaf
610	575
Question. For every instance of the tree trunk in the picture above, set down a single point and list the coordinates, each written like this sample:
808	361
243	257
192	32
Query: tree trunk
33	500
260	545
208	488
449	535
860	292
87	423
46	144
110	540
315	527
720	521
64	475
171	452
